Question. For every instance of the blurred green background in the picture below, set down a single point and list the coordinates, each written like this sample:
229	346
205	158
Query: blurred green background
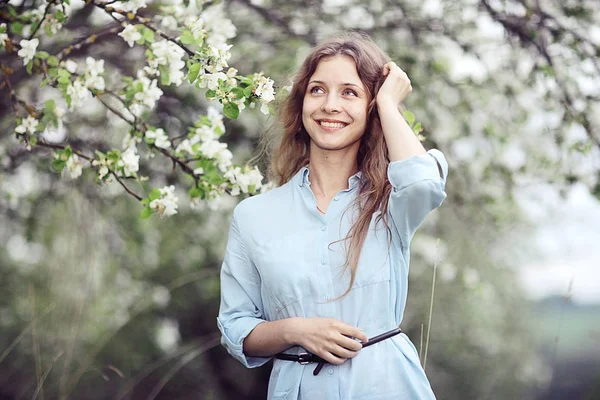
99	304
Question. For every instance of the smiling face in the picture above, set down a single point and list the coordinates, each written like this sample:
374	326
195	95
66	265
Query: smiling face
334	111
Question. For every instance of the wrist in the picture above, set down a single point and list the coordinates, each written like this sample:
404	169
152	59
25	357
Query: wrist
385	104
291	331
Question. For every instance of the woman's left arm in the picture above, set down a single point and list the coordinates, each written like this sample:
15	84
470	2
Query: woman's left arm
417	177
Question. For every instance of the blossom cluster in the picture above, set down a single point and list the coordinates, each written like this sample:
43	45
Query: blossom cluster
203	35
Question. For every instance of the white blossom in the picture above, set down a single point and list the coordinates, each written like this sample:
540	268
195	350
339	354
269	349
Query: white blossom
103	170
132	5
220	28
73	167
160	138
149	95
95	82
205	133
130	34
212	148
94	67
185	146
195	25
28	124
212	80
129	161
166	205
169	22
169	54
264	108
242	181
78	93
71	66
264	89
219	55
3	36
216	119
129	141
28	49
223	159
167	335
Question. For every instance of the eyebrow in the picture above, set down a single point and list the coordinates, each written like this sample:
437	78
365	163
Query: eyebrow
343	84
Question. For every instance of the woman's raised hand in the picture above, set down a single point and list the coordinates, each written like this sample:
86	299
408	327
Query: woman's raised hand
329	338
396	86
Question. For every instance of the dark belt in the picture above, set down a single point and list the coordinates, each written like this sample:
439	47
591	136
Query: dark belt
308	358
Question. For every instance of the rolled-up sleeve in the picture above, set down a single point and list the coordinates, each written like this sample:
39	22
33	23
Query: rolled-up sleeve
241	308
417	188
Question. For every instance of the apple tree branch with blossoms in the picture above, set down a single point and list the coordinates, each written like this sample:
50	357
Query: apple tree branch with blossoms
185	44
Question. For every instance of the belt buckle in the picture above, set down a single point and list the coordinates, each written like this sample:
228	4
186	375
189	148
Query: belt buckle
304	358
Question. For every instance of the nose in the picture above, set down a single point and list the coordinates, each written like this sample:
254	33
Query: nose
331	104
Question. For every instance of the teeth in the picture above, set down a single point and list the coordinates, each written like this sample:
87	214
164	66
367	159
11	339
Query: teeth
332	124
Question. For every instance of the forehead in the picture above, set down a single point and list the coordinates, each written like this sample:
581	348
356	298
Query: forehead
337	70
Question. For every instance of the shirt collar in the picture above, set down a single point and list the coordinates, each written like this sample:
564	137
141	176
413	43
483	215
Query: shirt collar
302	178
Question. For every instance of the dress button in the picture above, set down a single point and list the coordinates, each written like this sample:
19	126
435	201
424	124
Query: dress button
330	371
323	261
336	198
327	298
324	228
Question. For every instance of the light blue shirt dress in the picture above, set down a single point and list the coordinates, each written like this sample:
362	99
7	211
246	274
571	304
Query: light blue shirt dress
283	260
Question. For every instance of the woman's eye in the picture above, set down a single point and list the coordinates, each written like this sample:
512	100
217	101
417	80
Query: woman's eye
350	91
315	89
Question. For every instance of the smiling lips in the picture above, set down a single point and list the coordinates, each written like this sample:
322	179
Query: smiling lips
331	125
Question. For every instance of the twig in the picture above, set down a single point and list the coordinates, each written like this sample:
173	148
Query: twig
85	41
136	310
40	384
167	377
22	334
144	21
36	344
431	307
50	3
157	364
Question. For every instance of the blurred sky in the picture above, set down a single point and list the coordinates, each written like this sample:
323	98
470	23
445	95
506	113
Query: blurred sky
568	237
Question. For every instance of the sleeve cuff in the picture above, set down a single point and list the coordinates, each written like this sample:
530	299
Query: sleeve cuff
233	341
417	168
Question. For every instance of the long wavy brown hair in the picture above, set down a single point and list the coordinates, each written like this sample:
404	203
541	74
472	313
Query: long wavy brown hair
294	149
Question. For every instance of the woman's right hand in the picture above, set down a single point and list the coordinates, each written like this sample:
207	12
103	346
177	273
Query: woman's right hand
328	338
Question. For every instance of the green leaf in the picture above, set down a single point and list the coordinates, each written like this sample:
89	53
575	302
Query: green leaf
238	92
248	91
68	151
417	128
60	16
193	72
196	192
42	54
58	165
146	212
50	105
148	35
52	72
44	83
211	94
29	67
52	61
187	37
165	79
16	28
154	194
409	117
231	110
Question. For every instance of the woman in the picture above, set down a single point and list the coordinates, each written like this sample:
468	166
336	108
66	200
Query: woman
320	263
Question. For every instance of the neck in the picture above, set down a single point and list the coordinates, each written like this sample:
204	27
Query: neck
330	171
